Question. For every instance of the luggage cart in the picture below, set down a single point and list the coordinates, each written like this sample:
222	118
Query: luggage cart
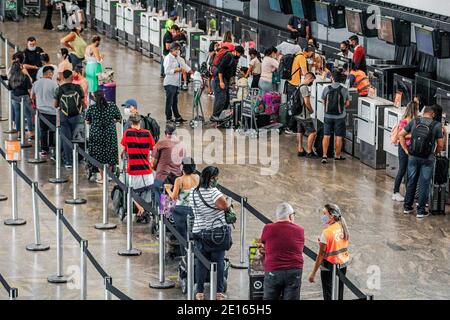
10	10
31	8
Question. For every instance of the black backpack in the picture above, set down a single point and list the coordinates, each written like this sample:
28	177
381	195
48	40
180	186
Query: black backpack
295	104
422	139
70	101
153	126
286	66
335	104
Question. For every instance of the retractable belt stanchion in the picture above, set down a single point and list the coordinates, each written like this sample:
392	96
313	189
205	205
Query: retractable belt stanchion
37	245
190	271
58	277
129	251
83	270
108	280
105	225
6	55
334	284
13	294
23	141
243	264
37	158
58	178
15	221
10	121
162	282
75	199
213	282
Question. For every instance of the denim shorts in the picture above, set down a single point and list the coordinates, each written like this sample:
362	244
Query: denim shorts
334	126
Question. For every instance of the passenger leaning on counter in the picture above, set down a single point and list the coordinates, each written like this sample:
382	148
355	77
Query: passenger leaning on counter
333	250
358	79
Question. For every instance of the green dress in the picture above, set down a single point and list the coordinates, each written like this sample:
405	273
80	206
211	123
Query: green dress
103	134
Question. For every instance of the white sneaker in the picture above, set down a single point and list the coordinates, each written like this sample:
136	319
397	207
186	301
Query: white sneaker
398	197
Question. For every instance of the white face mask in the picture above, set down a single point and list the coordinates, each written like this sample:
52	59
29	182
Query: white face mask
32	48
127	112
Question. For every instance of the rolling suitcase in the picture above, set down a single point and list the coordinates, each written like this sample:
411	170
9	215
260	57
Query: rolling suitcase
438	199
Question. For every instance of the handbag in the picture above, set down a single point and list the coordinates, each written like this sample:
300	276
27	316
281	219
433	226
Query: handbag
230	214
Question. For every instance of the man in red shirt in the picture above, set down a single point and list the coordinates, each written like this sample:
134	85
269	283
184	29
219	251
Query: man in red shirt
359	54
137	145
282	243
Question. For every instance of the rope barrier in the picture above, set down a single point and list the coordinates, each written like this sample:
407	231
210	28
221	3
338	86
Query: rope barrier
175	232
119	294
71	229
4	83
47	202
88	158
50	125
23	176
96	265
5	284
66	140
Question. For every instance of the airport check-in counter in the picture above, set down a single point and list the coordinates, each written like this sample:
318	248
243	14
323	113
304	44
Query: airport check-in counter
132	26
316	100
205	42
157	31
120	22
392	117
109	17
371	131
90	13
99	15
146	48
193	46
351	141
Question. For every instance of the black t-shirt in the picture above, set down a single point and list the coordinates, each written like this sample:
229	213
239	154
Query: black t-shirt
33	58
300	25
227	66
68	87
168	39
23	87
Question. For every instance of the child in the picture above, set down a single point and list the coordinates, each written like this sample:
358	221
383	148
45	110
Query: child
242	85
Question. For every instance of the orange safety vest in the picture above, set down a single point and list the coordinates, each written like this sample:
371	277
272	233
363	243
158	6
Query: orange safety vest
337	246
362	83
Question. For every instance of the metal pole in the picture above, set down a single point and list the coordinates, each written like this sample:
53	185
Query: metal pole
59	277
75	199
105	225
334	285
130	251
37	158
23	142
10	109
162	283
190	271
108	280
15	221
243	264
83	269
13	294
6	56
213	281
58	178
37	245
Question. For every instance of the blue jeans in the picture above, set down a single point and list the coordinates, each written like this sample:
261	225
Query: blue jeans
172	102
265	86
286	283
221	97
420	173
180	217
15	102
74	60
201	271
68	125
402	168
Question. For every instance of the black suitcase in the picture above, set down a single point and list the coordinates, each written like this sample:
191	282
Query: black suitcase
438	199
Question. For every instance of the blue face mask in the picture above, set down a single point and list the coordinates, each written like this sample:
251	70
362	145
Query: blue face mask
324	219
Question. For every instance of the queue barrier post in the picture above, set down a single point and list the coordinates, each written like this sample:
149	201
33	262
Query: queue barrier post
23	141
190	271
10	122
37	245
75	200
83	269
105	225
213	281
130	251
108	281
13	293
6	55
162	282
243	264
37	158
59	277
58	179
334	284
15	220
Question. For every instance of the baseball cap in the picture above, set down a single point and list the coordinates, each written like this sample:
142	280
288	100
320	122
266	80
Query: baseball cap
130	102
67	74
173	13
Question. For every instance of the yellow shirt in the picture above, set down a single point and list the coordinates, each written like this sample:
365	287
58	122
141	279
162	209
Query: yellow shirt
297	66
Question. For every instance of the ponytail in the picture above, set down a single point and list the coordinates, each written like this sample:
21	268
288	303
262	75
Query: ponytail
100	99
343	224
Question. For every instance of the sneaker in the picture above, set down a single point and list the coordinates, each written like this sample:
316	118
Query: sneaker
312	155
408	210
302	154
214	119
68	166
324	160
199	296
341	158
170	121
184	87
99	180
423	214
289	132
180	120
43	153
398	197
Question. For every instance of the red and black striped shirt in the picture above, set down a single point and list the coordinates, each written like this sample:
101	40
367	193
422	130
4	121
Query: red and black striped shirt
138	144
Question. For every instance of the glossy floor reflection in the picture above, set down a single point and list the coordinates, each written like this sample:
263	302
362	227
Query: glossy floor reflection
397	256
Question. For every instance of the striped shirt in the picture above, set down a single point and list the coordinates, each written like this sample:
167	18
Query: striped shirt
206	218
138	144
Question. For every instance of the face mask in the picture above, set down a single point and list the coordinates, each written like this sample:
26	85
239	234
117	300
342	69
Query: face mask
127	112
310	61
324	219
31	48
214	183
343	50
236	57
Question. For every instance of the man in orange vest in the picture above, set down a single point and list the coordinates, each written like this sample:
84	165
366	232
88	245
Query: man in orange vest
358	79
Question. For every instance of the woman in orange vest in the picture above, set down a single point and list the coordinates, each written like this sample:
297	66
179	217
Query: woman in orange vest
333	250
358	79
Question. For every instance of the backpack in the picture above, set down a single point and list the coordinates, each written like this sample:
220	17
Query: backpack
335	101
286	66
216	60
394	135
295	102
422	139
70	102
153	126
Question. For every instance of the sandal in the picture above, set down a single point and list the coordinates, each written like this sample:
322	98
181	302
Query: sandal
324	160
341	158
